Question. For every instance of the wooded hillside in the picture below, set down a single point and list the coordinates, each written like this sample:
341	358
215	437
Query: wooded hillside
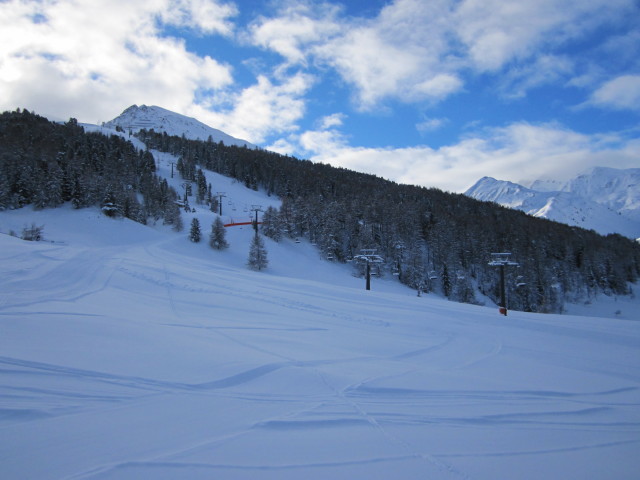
46	164
432	240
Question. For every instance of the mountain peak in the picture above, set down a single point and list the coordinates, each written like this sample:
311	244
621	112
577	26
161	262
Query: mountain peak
491	190
604	199
136	118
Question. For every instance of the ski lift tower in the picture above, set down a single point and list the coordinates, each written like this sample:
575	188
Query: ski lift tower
220	195
368	256
256	208
502	260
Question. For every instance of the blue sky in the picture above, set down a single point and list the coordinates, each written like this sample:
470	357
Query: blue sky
429	92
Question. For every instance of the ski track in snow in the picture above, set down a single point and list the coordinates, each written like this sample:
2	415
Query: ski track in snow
162	359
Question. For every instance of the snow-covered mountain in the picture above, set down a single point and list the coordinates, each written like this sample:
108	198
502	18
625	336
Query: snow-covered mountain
129	352
136	118
606	200
614	188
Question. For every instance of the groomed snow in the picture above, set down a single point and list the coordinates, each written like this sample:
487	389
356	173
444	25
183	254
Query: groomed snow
128	352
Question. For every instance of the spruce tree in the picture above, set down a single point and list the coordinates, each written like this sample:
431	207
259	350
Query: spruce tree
217	237
257	254
194	234
446	282
271	225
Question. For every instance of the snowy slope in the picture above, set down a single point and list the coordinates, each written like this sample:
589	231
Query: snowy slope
136	118
616	189
604	199
128	352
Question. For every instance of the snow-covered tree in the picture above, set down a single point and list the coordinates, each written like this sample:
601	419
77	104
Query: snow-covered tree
217	238
47	164
195	234
271	224
257	254
110	206
201	182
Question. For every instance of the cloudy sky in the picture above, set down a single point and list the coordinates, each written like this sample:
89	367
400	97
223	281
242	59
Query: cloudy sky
429	92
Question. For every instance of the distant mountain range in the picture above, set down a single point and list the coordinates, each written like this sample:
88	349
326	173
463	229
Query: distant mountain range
136	118
603	199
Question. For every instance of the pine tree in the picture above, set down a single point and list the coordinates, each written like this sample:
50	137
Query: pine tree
109	205
194	234
201	182
257	254
271	225
446	282
217	237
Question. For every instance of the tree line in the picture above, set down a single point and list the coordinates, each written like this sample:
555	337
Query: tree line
46	164
431	240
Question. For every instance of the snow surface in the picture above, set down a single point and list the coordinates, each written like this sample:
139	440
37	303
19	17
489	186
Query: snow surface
606	200
135	118
128	352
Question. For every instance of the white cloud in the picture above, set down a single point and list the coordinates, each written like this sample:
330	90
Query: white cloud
539	71
439	86
330	143
333	120
203	15
496	32
431	124
260	110
283	146
402	54
517	152
621	93
396	54
296	26
420	50
91	59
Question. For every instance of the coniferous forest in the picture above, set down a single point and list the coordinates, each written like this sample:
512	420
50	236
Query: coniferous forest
432	240
46	164
429	239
